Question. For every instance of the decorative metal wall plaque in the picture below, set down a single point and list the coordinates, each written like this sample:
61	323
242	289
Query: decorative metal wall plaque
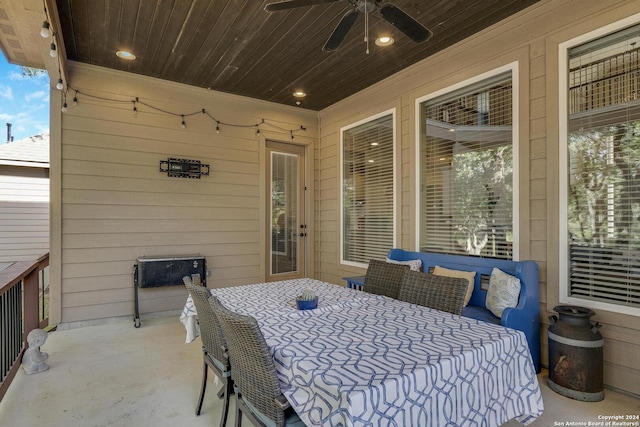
184	168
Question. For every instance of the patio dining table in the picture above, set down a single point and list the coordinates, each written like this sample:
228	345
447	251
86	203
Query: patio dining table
368	360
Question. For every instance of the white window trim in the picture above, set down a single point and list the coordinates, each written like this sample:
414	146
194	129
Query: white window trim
563	126
341	182
513	67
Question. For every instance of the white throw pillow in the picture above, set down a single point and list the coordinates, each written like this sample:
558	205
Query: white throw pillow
504	291
469	275
414	264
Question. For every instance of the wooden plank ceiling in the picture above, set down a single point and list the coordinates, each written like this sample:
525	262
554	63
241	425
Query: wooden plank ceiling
235	46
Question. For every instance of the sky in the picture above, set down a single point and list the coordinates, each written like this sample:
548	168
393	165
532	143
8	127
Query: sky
24	102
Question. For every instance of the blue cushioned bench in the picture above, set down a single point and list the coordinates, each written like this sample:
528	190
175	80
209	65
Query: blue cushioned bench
524	317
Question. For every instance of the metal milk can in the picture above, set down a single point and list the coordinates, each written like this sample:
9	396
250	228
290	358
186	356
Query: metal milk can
576	354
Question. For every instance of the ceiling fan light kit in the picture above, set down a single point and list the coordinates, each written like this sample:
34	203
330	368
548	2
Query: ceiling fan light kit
387	11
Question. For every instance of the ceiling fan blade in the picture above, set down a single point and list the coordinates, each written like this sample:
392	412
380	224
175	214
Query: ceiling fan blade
405	23
341	30
292	4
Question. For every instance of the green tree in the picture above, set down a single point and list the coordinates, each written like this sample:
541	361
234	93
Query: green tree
484	202
30	72
594	179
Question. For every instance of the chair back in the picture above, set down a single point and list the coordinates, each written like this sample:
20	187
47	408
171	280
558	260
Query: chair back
383	278
210	330
254	371
428	290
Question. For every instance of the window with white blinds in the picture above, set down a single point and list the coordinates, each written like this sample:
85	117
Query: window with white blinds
466	170
602	197
368	190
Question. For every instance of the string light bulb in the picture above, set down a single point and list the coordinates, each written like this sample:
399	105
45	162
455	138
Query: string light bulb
75	99
217	127
60	84
64	107
53	52
184	125
45	32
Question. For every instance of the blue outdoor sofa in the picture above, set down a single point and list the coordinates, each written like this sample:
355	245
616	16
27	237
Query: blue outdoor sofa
524	317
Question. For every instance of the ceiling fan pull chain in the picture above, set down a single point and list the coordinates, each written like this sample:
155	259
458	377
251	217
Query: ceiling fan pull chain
366	29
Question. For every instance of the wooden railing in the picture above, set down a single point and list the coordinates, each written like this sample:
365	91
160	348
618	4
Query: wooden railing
23	307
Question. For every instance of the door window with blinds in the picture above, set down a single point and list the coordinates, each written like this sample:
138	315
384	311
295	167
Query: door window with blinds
466	173
601	194
368	189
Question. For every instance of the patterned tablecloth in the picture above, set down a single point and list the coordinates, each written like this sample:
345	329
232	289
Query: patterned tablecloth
368	360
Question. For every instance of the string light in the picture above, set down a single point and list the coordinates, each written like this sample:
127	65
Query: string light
182	116
45	32
64	107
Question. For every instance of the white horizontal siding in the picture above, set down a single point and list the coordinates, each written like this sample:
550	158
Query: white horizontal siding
24	213
23	185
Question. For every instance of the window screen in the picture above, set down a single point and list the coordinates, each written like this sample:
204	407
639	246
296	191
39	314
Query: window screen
466	170
603	152
368	190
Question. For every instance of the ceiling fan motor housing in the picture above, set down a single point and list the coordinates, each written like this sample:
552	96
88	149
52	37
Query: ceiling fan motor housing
367	6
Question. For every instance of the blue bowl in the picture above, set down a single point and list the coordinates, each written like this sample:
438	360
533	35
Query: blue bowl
307	304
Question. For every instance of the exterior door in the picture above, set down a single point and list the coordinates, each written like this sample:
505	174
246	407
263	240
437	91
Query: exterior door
285	211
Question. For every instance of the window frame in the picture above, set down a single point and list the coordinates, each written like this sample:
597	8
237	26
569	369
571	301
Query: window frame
341	230
563	158
513	68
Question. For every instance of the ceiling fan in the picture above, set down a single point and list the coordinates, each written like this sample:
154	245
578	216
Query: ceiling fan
387	11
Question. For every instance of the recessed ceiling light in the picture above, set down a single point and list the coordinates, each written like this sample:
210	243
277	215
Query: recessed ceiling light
299	94
125	55
384	41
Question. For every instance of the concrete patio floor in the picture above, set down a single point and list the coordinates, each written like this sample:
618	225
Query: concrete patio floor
115	375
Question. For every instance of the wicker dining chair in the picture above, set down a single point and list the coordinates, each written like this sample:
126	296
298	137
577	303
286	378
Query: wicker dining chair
383	278
429	290
257	386
213	347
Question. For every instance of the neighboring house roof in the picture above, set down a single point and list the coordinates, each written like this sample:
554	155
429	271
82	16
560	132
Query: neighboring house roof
32	152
